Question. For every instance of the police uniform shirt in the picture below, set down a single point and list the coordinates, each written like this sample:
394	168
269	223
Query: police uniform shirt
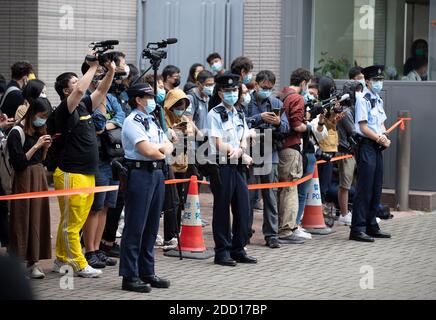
375	117
139	127
230	132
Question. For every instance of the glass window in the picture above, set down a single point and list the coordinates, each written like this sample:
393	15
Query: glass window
394	33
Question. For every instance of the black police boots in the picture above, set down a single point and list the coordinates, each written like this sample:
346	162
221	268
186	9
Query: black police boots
135	285
156	282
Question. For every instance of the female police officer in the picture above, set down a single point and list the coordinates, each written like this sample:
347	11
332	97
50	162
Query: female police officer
145	147
227	137
370	118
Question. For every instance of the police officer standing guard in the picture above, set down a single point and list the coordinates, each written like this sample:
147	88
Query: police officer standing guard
370	118
228	133
146	148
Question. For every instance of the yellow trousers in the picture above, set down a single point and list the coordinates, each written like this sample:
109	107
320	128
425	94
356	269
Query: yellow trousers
74	212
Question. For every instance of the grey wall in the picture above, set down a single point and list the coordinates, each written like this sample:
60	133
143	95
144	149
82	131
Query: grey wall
63	44
201	26
296	37
18	33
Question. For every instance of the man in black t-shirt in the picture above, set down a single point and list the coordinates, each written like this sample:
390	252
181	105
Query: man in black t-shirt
77	161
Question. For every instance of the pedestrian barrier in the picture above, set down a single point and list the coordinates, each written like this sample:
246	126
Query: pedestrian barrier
68	192
191	237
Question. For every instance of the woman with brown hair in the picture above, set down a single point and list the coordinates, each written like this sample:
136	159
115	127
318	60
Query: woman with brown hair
28	144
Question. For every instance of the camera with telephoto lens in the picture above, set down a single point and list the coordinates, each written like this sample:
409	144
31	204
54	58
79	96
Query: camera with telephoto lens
321	155
101	49
315	108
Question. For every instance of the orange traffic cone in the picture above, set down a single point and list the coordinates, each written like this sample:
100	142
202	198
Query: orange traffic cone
313	219
191	238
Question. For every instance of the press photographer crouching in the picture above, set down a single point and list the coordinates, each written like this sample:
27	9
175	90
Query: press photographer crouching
264	114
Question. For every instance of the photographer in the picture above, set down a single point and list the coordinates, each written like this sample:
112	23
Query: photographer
108	120
347	167
290	164
77	159
329	146
264	114
316	132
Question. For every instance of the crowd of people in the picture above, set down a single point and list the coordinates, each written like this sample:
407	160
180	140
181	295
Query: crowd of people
113	127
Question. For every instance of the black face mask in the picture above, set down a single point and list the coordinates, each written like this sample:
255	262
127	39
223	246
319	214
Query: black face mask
176	83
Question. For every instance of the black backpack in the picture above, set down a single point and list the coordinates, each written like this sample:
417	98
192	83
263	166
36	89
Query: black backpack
383	212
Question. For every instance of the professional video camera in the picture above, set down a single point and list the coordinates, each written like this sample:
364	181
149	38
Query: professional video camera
100	49
316	108
152	51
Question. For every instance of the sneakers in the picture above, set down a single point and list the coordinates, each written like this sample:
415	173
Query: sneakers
159	241
169	245
35	272
57	265
378	220
89	272
111	251
291	239
94	261
101	255
301	233
345	220
273	243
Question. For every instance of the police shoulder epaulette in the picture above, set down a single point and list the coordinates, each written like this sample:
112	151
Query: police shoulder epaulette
223	113
138	118
371	101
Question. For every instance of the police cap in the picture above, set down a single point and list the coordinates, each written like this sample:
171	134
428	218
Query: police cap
374	72
140	90
228	81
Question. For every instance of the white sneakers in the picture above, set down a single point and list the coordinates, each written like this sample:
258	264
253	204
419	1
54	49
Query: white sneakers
172	244
301	233
345	220
35	272
120	226
159	241
89	272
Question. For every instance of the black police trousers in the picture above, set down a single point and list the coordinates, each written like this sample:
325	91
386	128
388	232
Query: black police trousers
231	193
369	188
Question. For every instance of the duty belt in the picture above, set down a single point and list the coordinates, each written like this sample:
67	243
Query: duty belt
145	165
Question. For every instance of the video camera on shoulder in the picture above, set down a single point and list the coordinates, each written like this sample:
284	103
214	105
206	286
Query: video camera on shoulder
101	49
328	106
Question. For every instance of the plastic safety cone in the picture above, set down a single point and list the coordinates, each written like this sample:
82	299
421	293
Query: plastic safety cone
191	238
313	219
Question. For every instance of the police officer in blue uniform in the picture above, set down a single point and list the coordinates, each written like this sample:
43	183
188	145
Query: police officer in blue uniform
228	131
369	121
146	147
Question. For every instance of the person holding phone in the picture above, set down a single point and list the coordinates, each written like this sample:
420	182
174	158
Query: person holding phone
175	107
264	114
30	218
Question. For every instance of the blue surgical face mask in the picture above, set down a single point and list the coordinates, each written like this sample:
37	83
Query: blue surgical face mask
161	94
308	97
264	94
247	99
247	78
179	113
231	98
151	106
363	83
38	122
217	67
377	86
208	90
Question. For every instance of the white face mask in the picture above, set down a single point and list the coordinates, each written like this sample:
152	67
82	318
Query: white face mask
127	71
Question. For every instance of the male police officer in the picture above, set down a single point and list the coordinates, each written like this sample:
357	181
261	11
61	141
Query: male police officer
370	118
146	148
227	139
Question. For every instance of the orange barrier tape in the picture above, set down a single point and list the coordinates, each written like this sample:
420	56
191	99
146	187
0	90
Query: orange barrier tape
57	193
335	159
279	185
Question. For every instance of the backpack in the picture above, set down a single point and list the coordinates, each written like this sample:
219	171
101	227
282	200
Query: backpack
384	212
9	90
6	169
